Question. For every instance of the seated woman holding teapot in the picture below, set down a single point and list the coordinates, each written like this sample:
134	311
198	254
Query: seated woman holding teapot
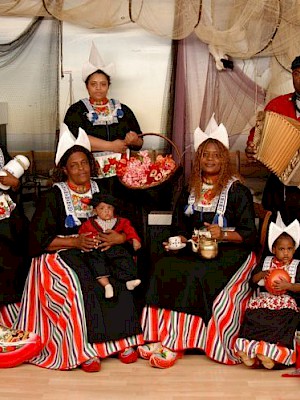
186	306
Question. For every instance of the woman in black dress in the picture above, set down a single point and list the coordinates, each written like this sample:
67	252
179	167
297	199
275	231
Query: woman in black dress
194	302
62	301
14	261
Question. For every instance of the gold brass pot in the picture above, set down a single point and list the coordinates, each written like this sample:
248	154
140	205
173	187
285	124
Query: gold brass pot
206	247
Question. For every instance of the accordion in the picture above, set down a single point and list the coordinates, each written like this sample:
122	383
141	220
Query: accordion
277	139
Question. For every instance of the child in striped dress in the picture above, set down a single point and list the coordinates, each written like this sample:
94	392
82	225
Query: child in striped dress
267	334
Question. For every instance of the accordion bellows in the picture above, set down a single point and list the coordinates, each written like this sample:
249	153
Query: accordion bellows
277	139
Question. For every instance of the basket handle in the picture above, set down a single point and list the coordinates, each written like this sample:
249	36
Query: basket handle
168	140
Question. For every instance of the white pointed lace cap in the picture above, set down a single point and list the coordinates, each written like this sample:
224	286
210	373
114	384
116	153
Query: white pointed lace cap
95	62
212	131
276	229
67	140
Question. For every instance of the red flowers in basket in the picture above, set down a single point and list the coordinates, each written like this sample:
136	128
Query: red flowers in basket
139	171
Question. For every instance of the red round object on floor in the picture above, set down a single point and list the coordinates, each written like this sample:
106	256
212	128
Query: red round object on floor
275	275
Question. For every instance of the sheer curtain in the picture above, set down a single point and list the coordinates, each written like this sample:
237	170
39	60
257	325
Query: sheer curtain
201	90
29	74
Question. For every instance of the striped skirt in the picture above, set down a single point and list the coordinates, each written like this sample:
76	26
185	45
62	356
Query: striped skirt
279	354
180	331
52	307
269	328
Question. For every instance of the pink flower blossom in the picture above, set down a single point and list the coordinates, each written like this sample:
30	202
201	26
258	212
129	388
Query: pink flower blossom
140	171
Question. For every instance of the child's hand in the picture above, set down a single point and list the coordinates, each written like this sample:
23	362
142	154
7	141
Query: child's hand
281	284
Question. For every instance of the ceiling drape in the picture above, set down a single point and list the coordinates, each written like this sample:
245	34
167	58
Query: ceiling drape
238	28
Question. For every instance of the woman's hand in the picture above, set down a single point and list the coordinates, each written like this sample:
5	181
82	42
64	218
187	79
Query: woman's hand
10	180
119	146
215	231
85	242
133	139
110	238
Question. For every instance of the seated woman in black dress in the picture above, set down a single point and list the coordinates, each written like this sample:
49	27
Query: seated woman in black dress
195	303
62	301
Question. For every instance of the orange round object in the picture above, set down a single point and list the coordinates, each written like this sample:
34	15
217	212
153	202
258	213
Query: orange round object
275	275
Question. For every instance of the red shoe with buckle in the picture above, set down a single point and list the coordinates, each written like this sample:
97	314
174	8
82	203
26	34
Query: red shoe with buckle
92	365
128	356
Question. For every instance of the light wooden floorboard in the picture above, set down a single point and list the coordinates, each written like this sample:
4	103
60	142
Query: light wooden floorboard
193	377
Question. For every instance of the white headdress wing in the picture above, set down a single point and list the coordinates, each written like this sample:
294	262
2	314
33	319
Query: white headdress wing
95	62
212	131
67	140
276	229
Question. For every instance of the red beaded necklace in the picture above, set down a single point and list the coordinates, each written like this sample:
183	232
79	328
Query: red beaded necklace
99	106
81	189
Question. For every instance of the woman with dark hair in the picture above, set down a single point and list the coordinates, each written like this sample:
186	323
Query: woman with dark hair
110	125
62	301
195	302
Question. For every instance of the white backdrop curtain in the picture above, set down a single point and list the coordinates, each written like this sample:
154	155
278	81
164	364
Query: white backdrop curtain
238	29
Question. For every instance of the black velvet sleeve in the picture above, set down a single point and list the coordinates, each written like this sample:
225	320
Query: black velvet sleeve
75	118
240	213
6	155
46	223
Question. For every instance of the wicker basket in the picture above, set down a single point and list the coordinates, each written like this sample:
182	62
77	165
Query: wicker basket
160	182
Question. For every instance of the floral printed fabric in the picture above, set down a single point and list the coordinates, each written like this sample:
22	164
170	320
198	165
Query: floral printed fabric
273	302
6	206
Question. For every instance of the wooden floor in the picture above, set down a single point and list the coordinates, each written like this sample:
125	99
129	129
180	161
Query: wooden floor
193	377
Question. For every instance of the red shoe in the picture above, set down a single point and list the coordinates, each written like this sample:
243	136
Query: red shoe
128	356
145	351
92	365
164	358
17	346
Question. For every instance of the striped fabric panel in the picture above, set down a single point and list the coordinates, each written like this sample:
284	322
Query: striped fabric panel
228	310
52	307
179	331
8	314
280	354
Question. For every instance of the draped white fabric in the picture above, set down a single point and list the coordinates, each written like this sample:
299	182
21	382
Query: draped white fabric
239	28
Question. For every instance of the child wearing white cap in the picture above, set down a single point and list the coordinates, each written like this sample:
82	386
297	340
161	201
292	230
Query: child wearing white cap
267	335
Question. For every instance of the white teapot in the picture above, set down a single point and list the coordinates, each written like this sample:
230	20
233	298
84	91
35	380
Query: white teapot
17	166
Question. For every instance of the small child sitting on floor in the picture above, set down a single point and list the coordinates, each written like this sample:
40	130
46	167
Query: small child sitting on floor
117	260
267	334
